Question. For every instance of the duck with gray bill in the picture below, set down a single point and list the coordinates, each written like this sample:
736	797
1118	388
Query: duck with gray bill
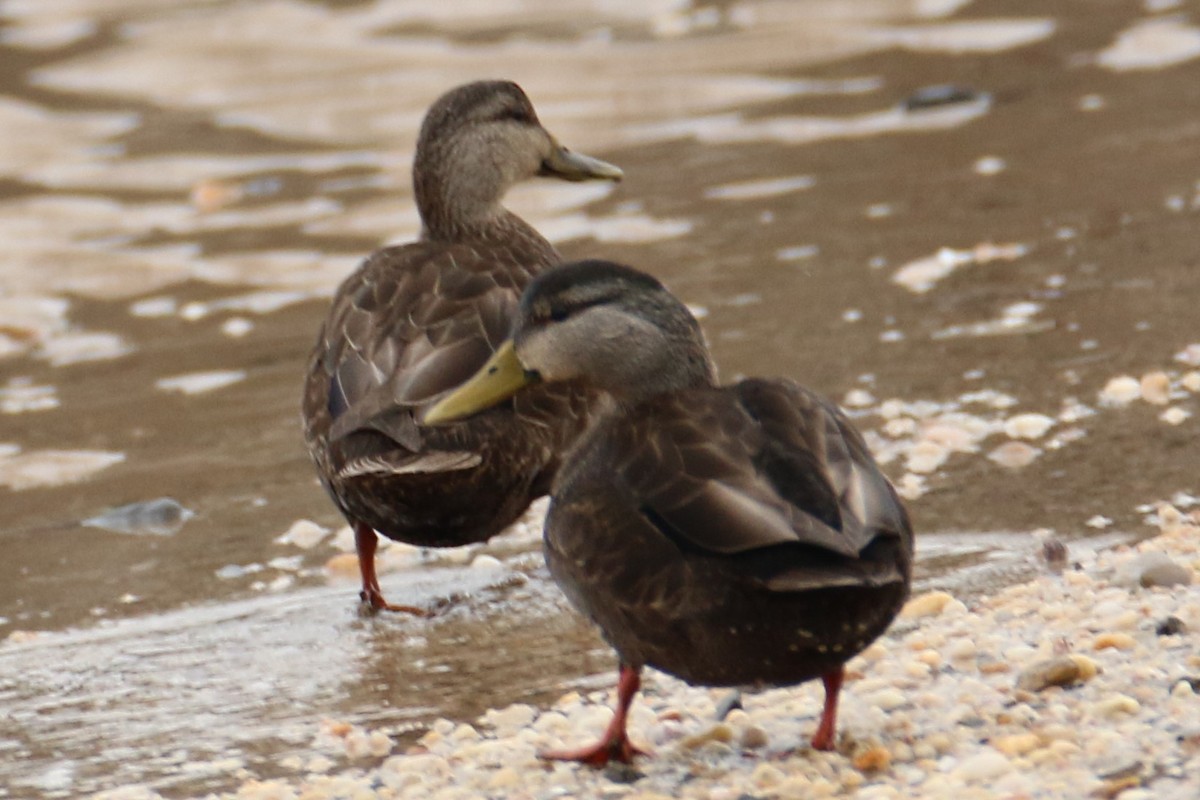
414	321
735	535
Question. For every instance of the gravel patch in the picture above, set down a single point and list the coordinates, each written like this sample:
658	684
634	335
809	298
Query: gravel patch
1074	685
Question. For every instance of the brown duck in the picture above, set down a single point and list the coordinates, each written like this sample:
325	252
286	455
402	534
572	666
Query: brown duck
729	535
415	321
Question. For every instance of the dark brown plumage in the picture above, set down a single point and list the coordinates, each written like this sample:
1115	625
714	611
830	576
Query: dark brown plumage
735	535
414	321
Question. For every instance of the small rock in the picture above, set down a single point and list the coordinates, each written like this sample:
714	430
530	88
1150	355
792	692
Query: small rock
1017	744
1175	415
1155	388
939	95
505	778
1117	705
728	703
1165	573
766	775
1117	641
717	733
1171	626
754	738
1120	391
992	666
1054	553
304	534
1120	787
486	562
1088	669
984	766
874	759
509	720
929	604
623	773
162	516
962	649
1186	688
1027	426
343	565
1130	770
1061	671
888	699
1014	455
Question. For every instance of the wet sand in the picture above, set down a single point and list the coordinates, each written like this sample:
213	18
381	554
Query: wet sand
968	281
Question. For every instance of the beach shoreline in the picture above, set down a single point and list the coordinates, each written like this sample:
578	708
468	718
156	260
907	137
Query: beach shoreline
1079	683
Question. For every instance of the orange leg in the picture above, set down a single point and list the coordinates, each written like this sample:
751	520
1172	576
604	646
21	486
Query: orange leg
366	542
827	730
614	745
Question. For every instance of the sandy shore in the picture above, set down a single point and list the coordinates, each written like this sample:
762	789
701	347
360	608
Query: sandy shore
1080	683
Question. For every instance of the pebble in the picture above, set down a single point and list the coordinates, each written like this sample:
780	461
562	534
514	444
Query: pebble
1155	388
1117	641
962	649
510	720
1175	415
162	516
1120	391
1171	626
1017	744
343	565
1061	671
930	711
873	759
765	776
717	733
1014	455
988	765
1054	553
1027	426
304	534
1116	705
929	604
754	738
887	699
486	562
1165	574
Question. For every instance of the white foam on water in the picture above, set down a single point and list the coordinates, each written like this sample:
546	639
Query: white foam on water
1152	44
80	346
733	127
770	187
21	395
38	468
923	274
201	382
973	36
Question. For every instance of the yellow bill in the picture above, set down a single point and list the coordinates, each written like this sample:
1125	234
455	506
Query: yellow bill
497	380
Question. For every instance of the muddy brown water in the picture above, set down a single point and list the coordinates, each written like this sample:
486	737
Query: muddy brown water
177	173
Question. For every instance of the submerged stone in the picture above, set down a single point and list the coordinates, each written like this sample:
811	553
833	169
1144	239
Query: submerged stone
162	516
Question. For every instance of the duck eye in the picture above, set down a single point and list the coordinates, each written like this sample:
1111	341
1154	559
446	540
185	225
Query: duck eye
515	114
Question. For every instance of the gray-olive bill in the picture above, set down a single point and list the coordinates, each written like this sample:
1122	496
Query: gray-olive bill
571	166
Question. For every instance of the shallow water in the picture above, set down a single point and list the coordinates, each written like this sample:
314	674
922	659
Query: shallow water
183	184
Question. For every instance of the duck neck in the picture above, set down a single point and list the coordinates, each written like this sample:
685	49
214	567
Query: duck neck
689	367
456	207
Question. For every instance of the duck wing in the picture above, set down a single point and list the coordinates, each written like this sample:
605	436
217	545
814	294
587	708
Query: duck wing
771	477
412	323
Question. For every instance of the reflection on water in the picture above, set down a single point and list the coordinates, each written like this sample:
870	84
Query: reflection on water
183	184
